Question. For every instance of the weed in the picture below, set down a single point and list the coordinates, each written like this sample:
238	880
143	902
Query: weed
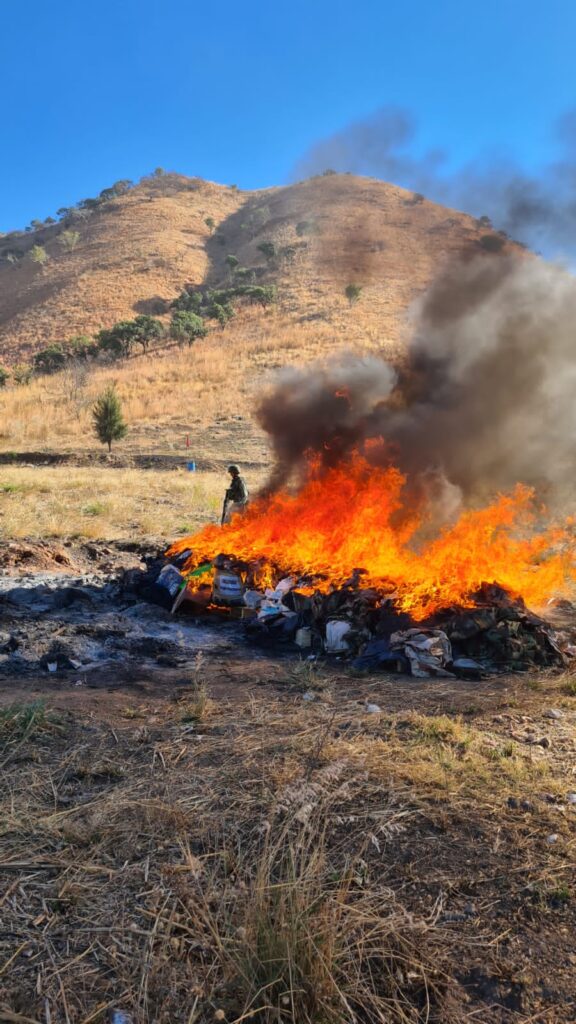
312	947
569	688
96	508
22	721
195	702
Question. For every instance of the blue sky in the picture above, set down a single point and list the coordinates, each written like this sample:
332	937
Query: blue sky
237	91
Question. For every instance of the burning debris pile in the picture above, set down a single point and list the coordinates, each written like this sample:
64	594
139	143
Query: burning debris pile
379	535
336	567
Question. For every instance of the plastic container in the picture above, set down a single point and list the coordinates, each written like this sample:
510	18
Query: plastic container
191	467
303	637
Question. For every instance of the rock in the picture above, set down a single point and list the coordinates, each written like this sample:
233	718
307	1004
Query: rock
544	741
553	838
372	709
513	803
526	805
571	798
553	713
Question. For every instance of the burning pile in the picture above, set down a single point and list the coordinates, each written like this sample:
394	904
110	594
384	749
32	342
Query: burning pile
336	566
375	514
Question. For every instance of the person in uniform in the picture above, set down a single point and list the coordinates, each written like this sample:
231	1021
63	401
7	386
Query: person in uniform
236	498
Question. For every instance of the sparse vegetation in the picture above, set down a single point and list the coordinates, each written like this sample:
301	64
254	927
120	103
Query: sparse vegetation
210	224
109	424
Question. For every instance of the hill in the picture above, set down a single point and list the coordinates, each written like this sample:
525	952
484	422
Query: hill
135	252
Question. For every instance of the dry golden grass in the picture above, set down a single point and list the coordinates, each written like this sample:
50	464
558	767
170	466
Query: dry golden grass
111	503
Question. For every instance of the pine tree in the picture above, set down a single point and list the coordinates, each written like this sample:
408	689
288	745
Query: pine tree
107	415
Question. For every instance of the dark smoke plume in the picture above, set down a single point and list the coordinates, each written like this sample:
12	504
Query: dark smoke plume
484	400
538	209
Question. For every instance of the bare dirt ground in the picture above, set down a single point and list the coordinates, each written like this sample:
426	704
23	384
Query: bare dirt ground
240	837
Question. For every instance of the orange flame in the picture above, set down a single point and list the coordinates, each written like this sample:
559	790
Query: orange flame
344	518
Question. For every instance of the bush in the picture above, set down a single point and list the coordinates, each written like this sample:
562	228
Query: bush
49	360
353	293
305	227
22	374
232	262
38	255
268	250
491	243
262	295
210	224
186	326
3	377
109	424
69	240
81	346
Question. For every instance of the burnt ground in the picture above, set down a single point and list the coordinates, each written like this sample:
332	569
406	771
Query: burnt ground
143	792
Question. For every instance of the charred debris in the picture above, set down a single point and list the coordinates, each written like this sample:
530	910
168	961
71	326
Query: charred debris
365	626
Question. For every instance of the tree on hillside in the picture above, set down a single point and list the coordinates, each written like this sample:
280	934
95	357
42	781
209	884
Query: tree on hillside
120	188
118	341
38	255
109	424
186	326
63	212
146	329
232	262
353	293
69	240
210	224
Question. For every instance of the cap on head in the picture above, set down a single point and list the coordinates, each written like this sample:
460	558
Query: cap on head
233	469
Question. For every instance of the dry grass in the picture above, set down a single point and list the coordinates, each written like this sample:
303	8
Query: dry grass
165	395
110	503
277	861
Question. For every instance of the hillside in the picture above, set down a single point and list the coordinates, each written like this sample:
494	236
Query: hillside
136	253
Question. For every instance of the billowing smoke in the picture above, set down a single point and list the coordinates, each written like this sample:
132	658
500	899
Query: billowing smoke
484	399
538	208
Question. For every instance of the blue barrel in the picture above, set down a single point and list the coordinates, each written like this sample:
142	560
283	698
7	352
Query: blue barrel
191	467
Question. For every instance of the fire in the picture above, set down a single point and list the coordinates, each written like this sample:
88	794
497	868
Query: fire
346	518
